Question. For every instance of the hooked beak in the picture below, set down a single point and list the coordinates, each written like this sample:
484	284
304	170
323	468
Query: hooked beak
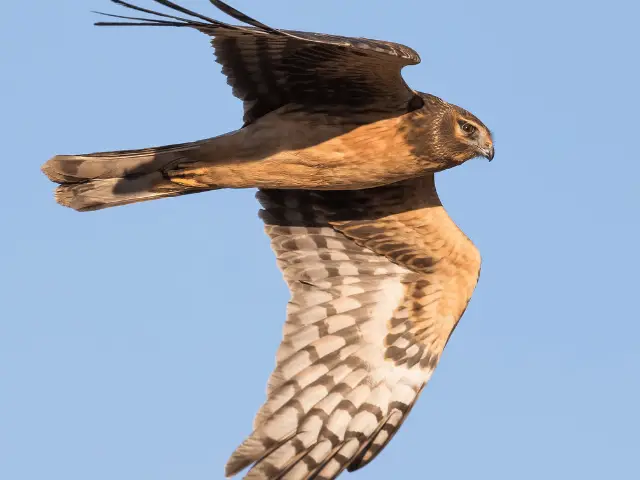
488	152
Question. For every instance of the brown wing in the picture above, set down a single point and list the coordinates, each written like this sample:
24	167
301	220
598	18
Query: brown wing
379	279
269	68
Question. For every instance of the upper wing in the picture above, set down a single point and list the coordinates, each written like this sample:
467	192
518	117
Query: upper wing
379	279
269	68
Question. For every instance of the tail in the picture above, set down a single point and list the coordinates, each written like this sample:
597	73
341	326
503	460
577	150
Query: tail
109	179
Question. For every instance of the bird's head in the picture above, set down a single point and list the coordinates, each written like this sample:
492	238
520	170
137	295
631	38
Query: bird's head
457	135
465	136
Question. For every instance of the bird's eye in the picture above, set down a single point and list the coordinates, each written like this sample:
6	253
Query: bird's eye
467	128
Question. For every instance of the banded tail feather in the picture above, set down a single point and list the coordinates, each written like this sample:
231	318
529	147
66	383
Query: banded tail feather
108	179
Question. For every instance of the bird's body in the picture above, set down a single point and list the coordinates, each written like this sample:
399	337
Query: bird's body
289	148
298	149
344	155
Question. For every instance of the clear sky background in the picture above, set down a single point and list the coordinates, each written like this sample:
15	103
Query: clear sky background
135	343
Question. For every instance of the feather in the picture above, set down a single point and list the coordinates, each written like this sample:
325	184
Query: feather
269	68
352	361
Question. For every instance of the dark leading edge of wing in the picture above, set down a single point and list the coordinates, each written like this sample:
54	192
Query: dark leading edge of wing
269	68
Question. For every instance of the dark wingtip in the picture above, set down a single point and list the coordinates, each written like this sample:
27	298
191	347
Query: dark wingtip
197	21
241	17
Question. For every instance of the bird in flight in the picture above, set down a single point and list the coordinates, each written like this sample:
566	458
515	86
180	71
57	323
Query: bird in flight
343	153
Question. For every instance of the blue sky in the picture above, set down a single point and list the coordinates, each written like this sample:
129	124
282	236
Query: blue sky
135	343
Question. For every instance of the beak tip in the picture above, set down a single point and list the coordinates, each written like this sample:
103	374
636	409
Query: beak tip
490	154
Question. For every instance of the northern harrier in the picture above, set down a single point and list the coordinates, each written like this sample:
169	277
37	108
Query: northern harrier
343	152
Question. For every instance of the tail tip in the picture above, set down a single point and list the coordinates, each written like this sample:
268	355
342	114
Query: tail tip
65	197
72	196
54	171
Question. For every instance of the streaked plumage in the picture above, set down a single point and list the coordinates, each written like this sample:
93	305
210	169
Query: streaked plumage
379	279
344	155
